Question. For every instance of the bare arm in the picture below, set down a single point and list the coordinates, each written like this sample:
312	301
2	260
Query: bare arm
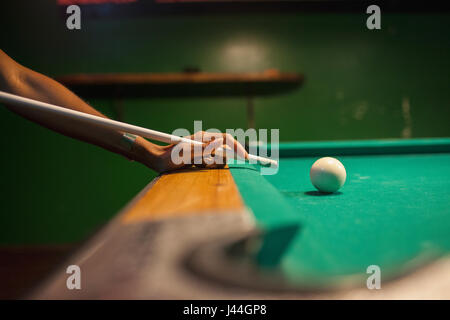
17	79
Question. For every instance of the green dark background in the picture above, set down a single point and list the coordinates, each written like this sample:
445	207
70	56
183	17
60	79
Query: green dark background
359	85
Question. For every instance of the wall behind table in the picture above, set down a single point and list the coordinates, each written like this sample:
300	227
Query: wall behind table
360	85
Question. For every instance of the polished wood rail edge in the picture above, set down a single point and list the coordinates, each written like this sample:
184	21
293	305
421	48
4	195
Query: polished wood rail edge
185	193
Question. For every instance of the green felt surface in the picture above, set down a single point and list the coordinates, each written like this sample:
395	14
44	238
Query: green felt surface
393	211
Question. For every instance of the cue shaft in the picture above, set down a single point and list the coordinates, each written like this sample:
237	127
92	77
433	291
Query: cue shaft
89	118
16	100
265	161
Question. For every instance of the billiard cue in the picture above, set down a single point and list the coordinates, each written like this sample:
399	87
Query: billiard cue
16	100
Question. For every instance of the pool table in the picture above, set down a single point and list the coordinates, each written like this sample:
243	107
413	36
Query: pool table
234	233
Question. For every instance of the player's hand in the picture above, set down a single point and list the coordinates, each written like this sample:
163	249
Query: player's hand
216	148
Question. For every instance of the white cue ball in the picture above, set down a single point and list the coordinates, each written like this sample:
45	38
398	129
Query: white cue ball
328	174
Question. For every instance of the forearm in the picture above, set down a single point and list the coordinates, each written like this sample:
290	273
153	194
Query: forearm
17	79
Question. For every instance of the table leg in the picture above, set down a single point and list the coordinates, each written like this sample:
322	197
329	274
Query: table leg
250	113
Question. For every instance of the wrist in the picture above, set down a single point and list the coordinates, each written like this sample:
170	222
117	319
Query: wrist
147	153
